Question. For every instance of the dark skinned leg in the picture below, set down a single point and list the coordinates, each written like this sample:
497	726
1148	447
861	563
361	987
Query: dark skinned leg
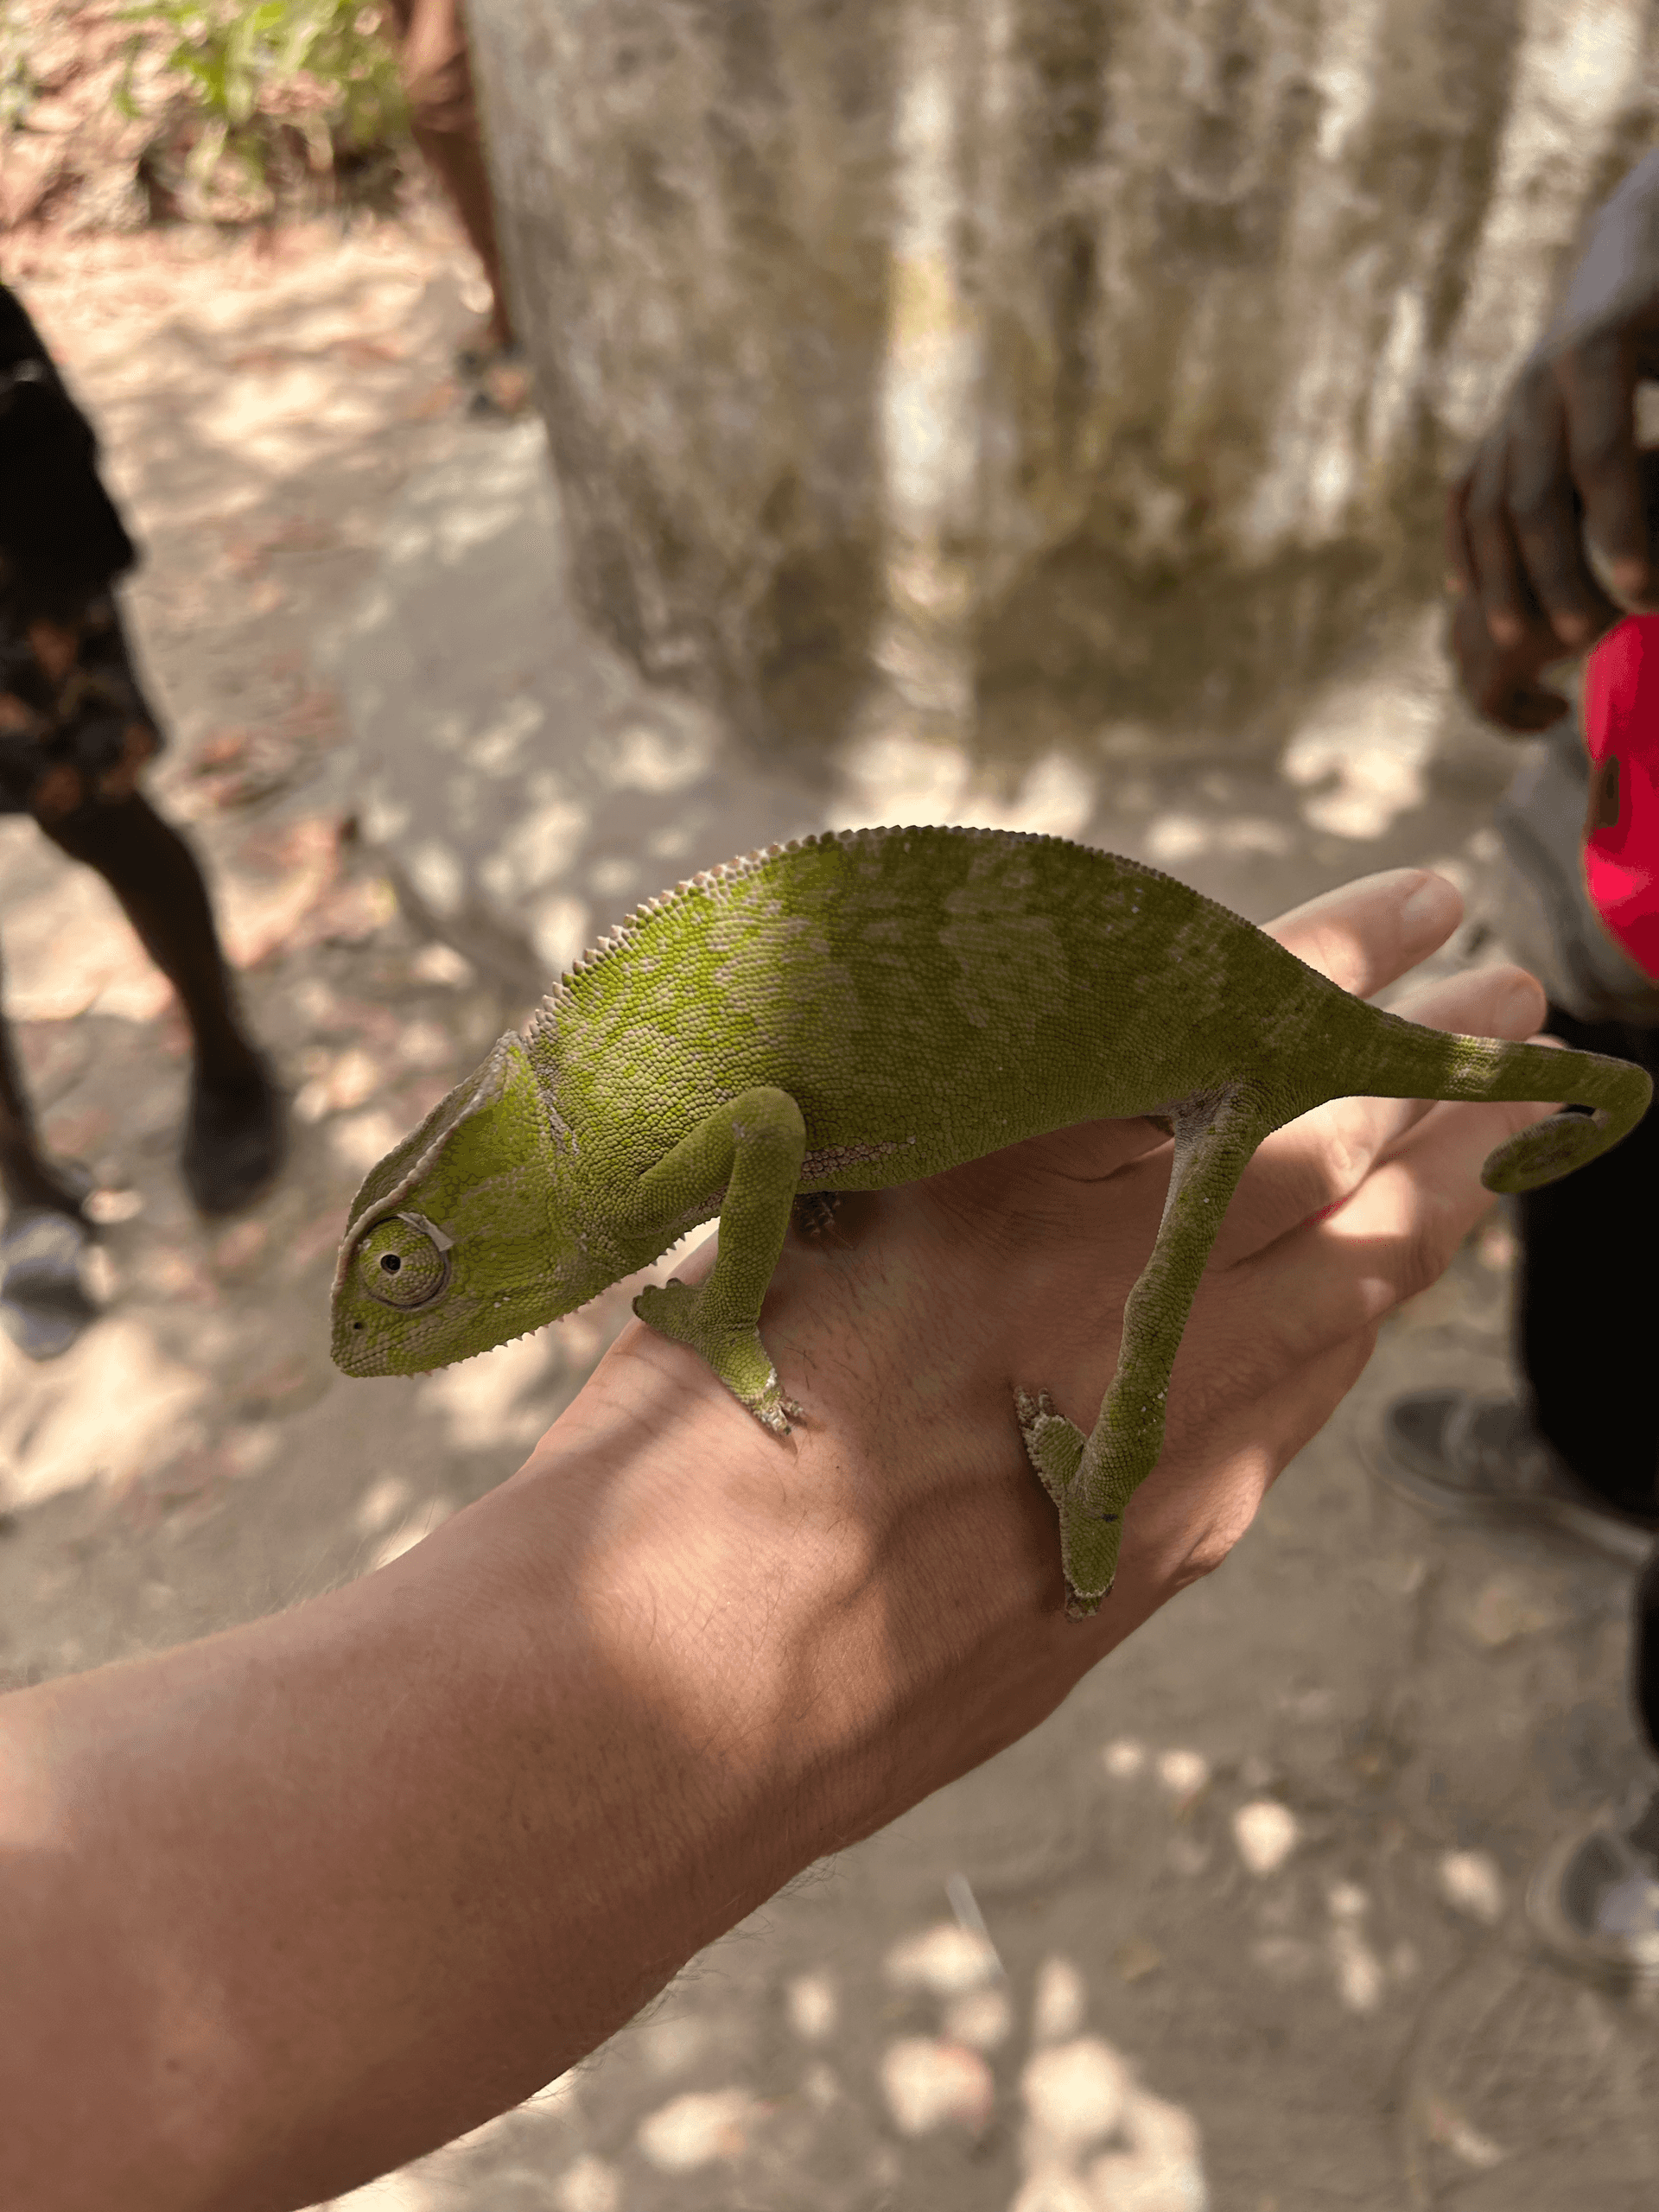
458	160
234	1139
437	76
43	1303
30	1178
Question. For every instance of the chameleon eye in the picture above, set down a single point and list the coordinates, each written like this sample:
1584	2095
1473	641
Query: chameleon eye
403	1262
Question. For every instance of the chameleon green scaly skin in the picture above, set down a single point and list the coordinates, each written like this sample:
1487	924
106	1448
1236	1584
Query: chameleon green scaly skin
861	1009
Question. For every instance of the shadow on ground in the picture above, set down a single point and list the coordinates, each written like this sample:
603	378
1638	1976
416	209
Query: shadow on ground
1238	1927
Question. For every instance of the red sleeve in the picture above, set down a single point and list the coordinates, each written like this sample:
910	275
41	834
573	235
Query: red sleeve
1620	841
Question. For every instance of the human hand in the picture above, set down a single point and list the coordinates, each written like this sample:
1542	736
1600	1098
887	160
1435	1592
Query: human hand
918	1570
1558	472
410	1849
1516	526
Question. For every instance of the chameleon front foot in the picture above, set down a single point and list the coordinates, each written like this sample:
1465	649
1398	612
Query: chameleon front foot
732	1349
1088	1540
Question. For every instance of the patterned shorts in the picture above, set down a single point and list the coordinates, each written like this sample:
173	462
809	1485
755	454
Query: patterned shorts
75	729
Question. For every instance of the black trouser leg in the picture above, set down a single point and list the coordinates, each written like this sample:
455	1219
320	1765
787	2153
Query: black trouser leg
154	874
1590	1327
1589	1284
1644	1658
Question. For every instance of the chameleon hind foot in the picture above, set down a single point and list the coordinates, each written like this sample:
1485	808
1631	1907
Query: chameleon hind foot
679	1311
1089	1542
1053	1445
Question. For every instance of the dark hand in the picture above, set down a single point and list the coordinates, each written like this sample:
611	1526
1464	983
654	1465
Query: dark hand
1561	467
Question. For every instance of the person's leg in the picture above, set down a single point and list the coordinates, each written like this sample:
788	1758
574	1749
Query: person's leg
234	1140
1589	1301
1588	1305
443	120
29	1178
1577	1448
43	1301
154	874
458	160
1644	1678
1595	1897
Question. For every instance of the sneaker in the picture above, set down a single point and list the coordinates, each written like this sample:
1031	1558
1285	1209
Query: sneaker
1595	1901
235	1141
1482	1460
43	1301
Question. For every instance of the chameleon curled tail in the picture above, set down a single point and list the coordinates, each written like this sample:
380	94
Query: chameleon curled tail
1410	1062
1616	1091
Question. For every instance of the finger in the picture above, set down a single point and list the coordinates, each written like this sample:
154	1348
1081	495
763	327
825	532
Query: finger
1460	563
1500	683
1396	1236
1545	516
1273	1348
1365	935
1513	616
1218	1466
1597	382
1316	1163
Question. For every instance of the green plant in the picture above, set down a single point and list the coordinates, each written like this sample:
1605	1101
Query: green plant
261	79
18	87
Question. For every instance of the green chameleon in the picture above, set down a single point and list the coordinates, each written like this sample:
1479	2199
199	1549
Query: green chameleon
860	1009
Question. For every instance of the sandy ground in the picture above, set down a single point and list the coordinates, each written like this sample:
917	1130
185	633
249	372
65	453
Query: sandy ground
1252	1897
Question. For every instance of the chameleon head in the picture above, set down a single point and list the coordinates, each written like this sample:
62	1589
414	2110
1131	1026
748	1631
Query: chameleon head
461	1238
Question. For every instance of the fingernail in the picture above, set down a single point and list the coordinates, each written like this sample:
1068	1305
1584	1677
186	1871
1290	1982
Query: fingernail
1504	629
1434	905
1629	576
1571	629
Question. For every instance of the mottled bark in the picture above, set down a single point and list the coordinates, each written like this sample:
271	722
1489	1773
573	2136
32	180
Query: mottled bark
1026	369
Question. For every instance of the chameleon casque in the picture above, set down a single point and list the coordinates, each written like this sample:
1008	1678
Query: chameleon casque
860	1009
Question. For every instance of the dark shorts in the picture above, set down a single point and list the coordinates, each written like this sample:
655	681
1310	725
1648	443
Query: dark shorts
75	729
74	725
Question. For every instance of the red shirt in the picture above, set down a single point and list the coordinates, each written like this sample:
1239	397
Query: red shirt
1621	835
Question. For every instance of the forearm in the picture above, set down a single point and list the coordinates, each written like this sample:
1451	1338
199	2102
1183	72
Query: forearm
1615	273
288	1906
285	1908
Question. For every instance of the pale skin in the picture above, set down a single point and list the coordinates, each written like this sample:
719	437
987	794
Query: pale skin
286	1907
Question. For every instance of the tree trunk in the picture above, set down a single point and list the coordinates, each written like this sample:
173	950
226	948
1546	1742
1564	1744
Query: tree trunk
1022	370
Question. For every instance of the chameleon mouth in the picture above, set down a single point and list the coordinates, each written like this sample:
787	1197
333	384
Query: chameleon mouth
368	1358
372	1335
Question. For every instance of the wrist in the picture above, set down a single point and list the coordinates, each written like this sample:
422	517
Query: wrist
837	1624
657	1551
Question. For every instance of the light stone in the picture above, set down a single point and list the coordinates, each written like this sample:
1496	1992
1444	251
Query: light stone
977	371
